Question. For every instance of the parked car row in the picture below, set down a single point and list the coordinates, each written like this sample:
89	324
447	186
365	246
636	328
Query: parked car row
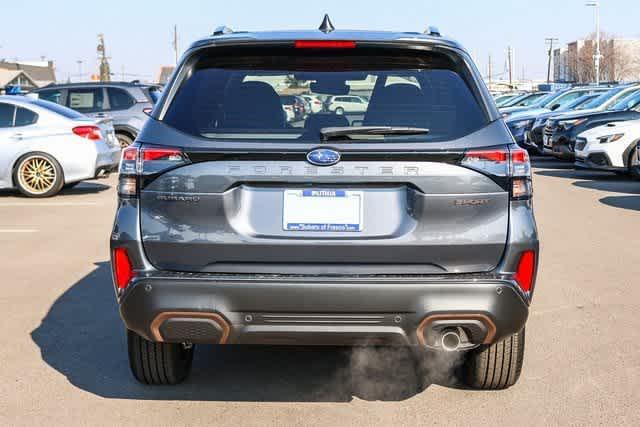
597	127
299	107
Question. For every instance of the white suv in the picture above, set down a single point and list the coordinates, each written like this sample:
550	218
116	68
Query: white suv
347	104
610	147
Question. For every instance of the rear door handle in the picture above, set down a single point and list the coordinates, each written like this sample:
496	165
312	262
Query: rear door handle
17	136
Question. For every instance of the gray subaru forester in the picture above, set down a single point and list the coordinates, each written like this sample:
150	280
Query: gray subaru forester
410	224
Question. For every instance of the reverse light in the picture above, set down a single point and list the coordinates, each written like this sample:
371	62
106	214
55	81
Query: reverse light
526	270
325	44
122	268
89	132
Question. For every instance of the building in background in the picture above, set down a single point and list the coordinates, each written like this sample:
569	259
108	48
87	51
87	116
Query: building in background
165	74
620	61
28	75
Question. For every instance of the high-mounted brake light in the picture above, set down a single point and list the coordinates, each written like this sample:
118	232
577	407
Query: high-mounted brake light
89	132
325	44
122	268
526	269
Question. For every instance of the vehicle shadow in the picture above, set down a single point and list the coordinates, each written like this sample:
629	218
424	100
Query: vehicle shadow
601	181
80	189
82	337
622	202
85	187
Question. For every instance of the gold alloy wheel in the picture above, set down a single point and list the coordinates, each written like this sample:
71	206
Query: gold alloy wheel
37	175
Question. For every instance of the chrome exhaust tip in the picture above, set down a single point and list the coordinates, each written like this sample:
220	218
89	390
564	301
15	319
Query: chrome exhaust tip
450	340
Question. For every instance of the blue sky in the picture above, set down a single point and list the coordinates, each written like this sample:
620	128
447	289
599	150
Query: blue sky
138	33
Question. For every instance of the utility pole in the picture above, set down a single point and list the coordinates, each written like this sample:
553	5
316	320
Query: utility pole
105	69
175	42
79	61
510	66
597	57
490	72
550	41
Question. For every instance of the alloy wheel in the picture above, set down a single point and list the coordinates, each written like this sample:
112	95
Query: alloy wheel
37	175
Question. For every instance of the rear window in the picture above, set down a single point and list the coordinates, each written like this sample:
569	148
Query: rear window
58	109
86	100
259	97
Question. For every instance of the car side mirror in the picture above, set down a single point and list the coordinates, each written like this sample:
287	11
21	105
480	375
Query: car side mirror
554	107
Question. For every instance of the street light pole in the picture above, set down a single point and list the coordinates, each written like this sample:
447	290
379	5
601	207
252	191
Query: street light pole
597	57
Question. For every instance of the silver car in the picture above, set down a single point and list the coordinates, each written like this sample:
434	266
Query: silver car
127	104
45	146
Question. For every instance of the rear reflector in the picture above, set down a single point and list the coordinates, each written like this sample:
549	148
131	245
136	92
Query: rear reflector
122	269
325	44
90	132
526	268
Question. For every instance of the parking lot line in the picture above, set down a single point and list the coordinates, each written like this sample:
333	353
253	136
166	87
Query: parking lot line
18	230
47	204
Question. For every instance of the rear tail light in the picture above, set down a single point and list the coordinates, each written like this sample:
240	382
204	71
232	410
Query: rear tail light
122	268
325	44
526	270
511	163
89	132
143	162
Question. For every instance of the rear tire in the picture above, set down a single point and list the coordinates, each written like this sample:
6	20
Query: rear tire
340	111
157	363
38	175
124	140
496	366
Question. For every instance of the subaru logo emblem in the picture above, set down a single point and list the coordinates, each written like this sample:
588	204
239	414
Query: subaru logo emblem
323	157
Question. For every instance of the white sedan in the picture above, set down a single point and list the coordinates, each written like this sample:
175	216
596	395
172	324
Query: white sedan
611	147
45	146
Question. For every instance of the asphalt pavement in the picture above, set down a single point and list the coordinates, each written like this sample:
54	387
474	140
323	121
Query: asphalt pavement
63	356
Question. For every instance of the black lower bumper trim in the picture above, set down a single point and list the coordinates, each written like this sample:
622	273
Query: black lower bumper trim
319	312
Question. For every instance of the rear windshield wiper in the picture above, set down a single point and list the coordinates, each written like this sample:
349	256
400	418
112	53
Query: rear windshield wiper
334	132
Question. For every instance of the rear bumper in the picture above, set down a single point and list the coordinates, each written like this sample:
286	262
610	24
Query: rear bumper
329	311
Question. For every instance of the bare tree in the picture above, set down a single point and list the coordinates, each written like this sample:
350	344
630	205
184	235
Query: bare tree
619	59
